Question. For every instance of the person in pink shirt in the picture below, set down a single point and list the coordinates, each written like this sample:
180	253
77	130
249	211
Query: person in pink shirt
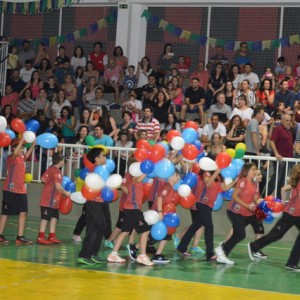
11	98
201	74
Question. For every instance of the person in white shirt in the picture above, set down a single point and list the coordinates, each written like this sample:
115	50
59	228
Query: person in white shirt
26	72
78	59
244	111
250	76
209	129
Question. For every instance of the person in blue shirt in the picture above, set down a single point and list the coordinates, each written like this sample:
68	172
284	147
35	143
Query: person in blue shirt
101	138
286	96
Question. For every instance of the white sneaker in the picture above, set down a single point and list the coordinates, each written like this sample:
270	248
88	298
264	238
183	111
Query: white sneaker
76	238
250	253
115	258
145	260
221	257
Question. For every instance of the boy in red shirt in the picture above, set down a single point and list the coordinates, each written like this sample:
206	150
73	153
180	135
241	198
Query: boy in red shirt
14	190
50	200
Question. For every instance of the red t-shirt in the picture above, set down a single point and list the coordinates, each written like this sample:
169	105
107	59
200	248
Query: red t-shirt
50	195
134	198
166	192
156	186
98	60
249	190
127	181
293	206
15	179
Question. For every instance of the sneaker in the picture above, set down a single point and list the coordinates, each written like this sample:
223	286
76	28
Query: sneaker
197	250
54	240
293	268
86	261
132	251
21	240
151	249
3	240
43	241
221	257
260	255
250	252
76	238
176	240
221	243
96	259
115	258
109	244
144	260
160	259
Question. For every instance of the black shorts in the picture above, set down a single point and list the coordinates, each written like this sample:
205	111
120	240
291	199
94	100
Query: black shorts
121	219
13	204
134	219
48	212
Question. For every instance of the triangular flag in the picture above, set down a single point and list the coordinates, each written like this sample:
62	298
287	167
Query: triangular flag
163	24
266	44
146	13
53	40
294	39
236	45
76	35
212	42
185	34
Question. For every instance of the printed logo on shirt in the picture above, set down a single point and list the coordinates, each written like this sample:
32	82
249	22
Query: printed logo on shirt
242	184
54	202
11	186
292	210
237	207
205	199
46	212
141	223
124	180
165	192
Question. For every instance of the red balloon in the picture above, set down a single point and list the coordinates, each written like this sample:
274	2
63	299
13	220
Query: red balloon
269	199
89	165
187	202
171	230
276	207
196	168
4	139
168	208
66	205
116	195
88	193
175	199
147	187
223	160
18	125
172	133
189	151
141	154
191	124
145	199
259	214
157	153
143	144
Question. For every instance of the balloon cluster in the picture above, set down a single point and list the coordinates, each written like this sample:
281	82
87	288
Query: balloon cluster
238	152
269	208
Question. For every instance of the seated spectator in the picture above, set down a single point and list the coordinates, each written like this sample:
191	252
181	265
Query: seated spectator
235	132
164	61
11	98
99	100
221	109
89	92
26	54
127	124
289	77
182	66
129	83
286	96
269	75
144	70
12	60
134	106
281	66
161	106
70	90
218	58
8	114
176	96
63	70
26	71
67	124
173	72
171	123
120	58
84	120
42	103
52	90
41	54
244	111
149	90
26	106
58	105
247	92
17	84
45	70
216	146
201	74
230	94
35	84
90	71
242	55
252	77
265	95
61	58
78	59
78	81
99	58
234	76
101	138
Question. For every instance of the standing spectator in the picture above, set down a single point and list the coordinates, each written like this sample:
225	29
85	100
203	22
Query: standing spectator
12	60
143	72
26	54
99	58
129	82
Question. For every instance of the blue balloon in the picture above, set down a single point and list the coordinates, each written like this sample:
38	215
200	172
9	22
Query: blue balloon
110	164
166	146
227	195
102	171
65	181
83	173
11	134
164	169
238	164
32	125
229	172
152	174
176	185
47	140
197	143
147	166
171	220
269	219
264	207
70	187
189	135
200	155
107	194
190	179
218	203
159	231
146	179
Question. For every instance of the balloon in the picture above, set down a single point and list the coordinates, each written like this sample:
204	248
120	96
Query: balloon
164	168
114	181
190	179
269	198
191	124
147	166
177	185
187	202
259	214
76	173
231	152
227	181
228	194
159	231
269	218
29	136
168	208
207	164
157	153
276	215
146	188
88	164
78	198
189	135
241	146
166	147
198	144
171	230
70	187
65	180
116	195
238	164
102	171
175	199
94	182
172	134
3	124
11	134
264	207
17	125
89	193
28	177
79	184
141	154
223	160
65	206
189	151
135	169
110	165
177	143
171	220
32	125
276	207
5	139
47	140
218	203
200	155
90	140
239	153
83	173
151	217
229	172
143	144
107	194
196	168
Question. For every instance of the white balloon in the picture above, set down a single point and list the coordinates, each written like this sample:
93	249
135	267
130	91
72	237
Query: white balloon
3	124
94	182
77	198
184	190
151	217
276	215
227	181
191	161
135	169
114	181
177	143
207	164
29	136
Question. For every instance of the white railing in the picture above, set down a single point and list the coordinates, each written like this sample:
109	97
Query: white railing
3	66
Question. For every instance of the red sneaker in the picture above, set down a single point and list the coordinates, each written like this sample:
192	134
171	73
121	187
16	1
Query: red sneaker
43	241
54	240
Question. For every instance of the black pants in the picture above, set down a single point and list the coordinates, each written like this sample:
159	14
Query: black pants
286	222
239	224
204	218
95	228
81	223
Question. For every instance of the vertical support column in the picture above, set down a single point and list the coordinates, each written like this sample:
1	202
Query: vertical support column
280	29
207	34
2	22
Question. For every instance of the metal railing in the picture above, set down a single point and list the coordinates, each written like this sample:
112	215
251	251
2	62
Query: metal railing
3	66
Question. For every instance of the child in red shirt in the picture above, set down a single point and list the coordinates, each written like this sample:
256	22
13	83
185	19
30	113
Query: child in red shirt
50	200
